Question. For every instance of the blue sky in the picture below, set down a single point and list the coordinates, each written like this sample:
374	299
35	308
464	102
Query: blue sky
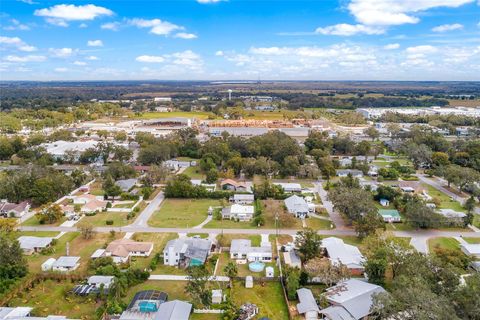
240	39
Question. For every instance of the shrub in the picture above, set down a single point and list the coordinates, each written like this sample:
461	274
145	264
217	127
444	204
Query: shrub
109	222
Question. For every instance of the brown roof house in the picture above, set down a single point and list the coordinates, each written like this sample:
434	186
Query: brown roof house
229	184
17	210
121	250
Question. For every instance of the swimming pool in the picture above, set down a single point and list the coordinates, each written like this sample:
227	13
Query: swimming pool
256	266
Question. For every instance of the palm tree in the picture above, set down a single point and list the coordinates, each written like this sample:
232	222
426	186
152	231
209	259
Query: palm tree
231	271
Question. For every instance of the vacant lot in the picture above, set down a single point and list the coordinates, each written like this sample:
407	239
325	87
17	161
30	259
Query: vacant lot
194	173
182	213
100	219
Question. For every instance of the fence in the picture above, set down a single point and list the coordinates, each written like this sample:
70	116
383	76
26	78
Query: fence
214	311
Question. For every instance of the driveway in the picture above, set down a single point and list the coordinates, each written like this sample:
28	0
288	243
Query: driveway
328	205
144	216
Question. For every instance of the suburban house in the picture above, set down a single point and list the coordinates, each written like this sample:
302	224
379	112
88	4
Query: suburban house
307	305
353	172
122	249
238	212
297	206
17	210
390	215
30	244
89	203
351	299
208	186
185	252
289	187
126	184
21	313
98	281
452	215
66	264
292	259
232	185
154	305
348	255
242	198
471	250
410	186
241	249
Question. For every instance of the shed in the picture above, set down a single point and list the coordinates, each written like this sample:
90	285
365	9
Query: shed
269	272
307	306
248	282
217	296
384	202
47	265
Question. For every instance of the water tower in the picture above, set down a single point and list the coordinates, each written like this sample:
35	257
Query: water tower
230	94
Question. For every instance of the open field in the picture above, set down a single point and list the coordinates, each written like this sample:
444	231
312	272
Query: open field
445	243
194	173
49	298
99	220
33	222
182	213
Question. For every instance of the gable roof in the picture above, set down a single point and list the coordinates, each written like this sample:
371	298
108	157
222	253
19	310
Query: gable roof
13	207
30	242
307	301
66	262
340	252
355	296
126	184
123	247
174	310
296	204
192	248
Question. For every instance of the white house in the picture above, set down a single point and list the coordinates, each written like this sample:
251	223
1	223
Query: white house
21	313
353	172
242	198
297	206
307	305
17	210
66	264
238	212
289	187
30	244
122	249
184	252
472	250
98	281
340	252
241	249
351	299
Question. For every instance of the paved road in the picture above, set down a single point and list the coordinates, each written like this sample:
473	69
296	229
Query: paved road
328	205
142	219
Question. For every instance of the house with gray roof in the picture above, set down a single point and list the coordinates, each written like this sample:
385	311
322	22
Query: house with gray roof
242	249
307	305
184	252
30	244
174	310
297	206
350	300
24	313
66	264
97	281
340	252
126	184
242	198
353	172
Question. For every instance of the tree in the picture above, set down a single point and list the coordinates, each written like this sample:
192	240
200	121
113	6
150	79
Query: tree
231	271
421	155
110	188
308	243
13	265
211	176
372	132
292	282
419	215
352	202
49	213
155	174
197	285
8	225
325	271
453	257
376	266
86	230
467	298
440	159
368	224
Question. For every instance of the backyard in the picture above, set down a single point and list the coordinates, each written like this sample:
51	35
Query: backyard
182	213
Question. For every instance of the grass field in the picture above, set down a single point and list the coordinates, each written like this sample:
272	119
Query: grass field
445	201
194	173
472	240
99	220
51	298
182	213
33	222
445	243
225	240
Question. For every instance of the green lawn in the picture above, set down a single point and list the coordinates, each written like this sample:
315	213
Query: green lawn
225	240
33	222
267	296
124	205
194	173
472	240
175	114
182	213
36	233
445	201
51	298
99	220
445	243
318	224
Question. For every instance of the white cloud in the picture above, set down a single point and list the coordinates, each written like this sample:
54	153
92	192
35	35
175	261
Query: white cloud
92	58
17	25
114	26
184	35
344	29
391	46
447	27
80	63
29	58
219	53
61	52
83	25
95	43
61	13
156	26
150	59
60	69
187	58
423	49
28	1
394	12
17	43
